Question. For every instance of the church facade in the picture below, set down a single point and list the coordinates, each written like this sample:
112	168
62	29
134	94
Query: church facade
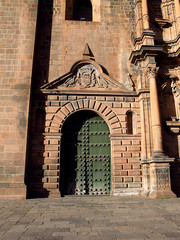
90	98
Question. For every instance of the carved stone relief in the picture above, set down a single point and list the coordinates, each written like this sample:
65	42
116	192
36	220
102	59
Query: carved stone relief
162	177
176	94
87	76
172	86
151	72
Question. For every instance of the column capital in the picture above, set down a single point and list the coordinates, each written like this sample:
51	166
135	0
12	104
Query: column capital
152	72
137	1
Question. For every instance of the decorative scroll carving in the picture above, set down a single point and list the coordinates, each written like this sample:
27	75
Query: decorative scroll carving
87	76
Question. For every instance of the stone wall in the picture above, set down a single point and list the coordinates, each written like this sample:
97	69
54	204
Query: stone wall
109	37
18	23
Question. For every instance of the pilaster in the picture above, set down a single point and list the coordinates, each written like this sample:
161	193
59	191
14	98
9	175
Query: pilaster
146	178
139	21
51	164
177	13
145	14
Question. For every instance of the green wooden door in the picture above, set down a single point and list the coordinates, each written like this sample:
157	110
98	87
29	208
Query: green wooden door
85	155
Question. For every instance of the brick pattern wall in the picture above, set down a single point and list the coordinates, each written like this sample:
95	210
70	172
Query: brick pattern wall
109	39
18	22
126	149
126	170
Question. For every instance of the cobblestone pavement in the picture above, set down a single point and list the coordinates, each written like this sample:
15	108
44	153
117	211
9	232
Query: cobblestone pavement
90	218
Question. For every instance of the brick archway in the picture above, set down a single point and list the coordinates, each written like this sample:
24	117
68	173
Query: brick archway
101	109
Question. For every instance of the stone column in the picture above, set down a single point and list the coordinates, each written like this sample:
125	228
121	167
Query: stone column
145	14
177	13
155	113
160	180
139	21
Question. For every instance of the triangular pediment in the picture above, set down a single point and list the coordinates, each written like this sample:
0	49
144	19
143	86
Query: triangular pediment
85	75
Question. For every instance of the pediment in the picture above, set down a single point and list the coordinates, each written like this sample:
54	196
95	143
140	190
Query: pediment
85	75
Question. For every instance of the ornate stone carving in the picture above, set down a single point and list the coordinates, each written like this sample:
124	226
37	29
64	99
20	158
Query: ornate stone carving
87	76
176	94
146	17
163	178
129	83
151	72
172	86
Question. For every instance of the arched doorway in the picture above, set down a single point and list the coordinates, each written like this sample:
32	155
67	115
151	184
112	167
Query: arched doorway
85	161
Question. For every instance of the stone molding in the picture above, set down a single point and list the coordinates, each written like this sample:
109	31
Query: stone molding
144	51
102	109
174	126
85	74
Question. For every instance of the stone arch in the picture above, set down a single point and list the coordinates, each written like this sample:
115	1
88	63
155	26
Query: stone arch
100	108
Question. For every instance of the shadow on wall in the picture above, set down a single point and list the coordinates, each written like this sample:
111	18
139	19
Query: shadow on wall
155	12
170	140
175	177
42	43
35	158
35	150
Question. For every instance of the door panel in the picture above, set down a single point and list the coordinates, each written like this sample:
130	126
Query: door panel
85	155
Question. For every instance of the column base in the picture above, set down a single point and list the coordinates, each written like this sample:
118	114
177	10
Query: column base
160	179
160	156
162	194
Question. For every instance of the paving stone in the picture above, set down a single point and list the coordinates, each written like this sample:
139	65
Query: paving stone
90	218
174	235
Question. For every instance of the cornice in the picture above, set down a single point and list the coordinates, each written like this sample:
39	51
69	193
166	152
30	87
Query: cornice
145	50
144	34
86	92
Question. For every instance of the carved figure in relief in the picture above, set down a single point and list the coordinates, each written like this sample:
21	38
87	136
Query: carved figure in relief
176	94
171	86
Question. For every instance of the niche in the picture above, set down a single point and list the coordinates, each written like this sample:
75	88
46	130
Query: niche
130	121
83	10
